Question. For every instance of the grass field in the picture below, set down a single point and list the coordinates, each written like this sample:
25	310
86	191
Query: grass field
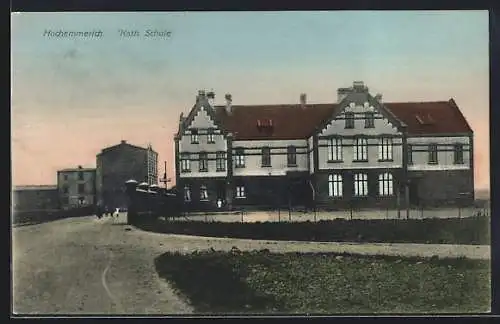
261	282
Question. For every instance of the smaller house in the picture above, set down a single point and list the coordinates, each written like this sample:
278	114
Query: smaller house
76	187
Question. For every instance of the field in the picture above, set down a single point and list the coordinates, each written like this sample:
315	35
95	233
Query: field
262	282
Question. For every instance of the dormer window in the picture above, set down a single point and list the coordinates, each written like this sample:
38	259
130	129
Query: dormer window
425	119
349	120
194	136
369	119
210	136
264	124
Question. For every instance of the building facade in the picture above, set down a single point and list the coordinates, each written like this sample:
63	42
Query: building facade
119	163
76	187
356	152
36	197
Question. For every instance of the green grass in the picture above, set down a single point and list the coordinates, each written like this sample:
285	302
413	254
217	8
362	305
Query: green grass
261	282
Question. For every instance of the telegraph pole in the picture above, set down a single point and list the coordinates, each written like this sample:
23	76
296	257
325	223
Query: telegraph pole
165	180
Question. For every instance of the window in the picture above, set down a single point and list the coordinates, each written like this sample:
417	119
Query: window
349	119
458	154
266	157
220	161
385	184
187	193
211	136
80	175
410	154
194	136
335	185
369	119
335	149
203	162
292	156
65	177
65	190
239	158
361	149
81	188
203	192
361	184
240	192
433	154
385	149
185	162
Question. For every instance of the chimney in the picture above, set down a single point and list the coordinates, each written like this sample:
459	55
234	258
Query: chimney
342	93
124	142
201	94
378	97
211	98
80	167
303	100
229	103
359	86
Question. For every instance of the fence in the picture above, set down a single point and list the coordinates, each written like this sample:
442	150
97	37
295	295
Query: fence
290	215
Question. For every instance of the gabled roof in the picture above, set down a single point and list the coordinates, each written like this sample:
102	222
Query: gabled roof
123	144
296	121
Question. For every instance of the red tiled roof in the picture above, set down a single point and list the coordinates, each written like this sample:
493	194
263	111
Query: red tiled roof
444	116
289	121
297	122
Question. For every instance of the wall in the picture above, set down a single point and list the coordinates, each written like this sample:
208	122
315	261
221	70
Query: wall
40	198
445	153
279	162
69	179
118	165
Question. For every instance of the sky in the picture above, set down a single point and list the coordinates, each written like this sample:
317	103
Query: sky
72	97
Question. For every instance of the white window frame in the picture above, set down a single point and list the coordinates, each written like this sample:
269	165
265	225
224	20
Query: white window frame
195	139
240	192
210	136
433	151
203	193
220	161
203	162
369	119
386	184
360	184
291	155
335	185
360	149
185	162
239	158
335	149
187	194
385	149
266	156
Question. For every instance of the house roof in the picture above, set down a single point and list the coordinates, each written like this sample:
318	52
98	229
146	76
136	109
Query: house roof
35	187
293	121
436	117
124	144
289	121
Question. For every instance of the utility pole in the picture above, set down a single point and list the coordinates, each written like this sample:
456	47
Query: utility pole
165	180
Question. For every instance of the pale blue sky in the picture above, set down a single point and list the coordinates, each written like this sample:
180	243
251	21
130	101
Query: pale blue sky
259	57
